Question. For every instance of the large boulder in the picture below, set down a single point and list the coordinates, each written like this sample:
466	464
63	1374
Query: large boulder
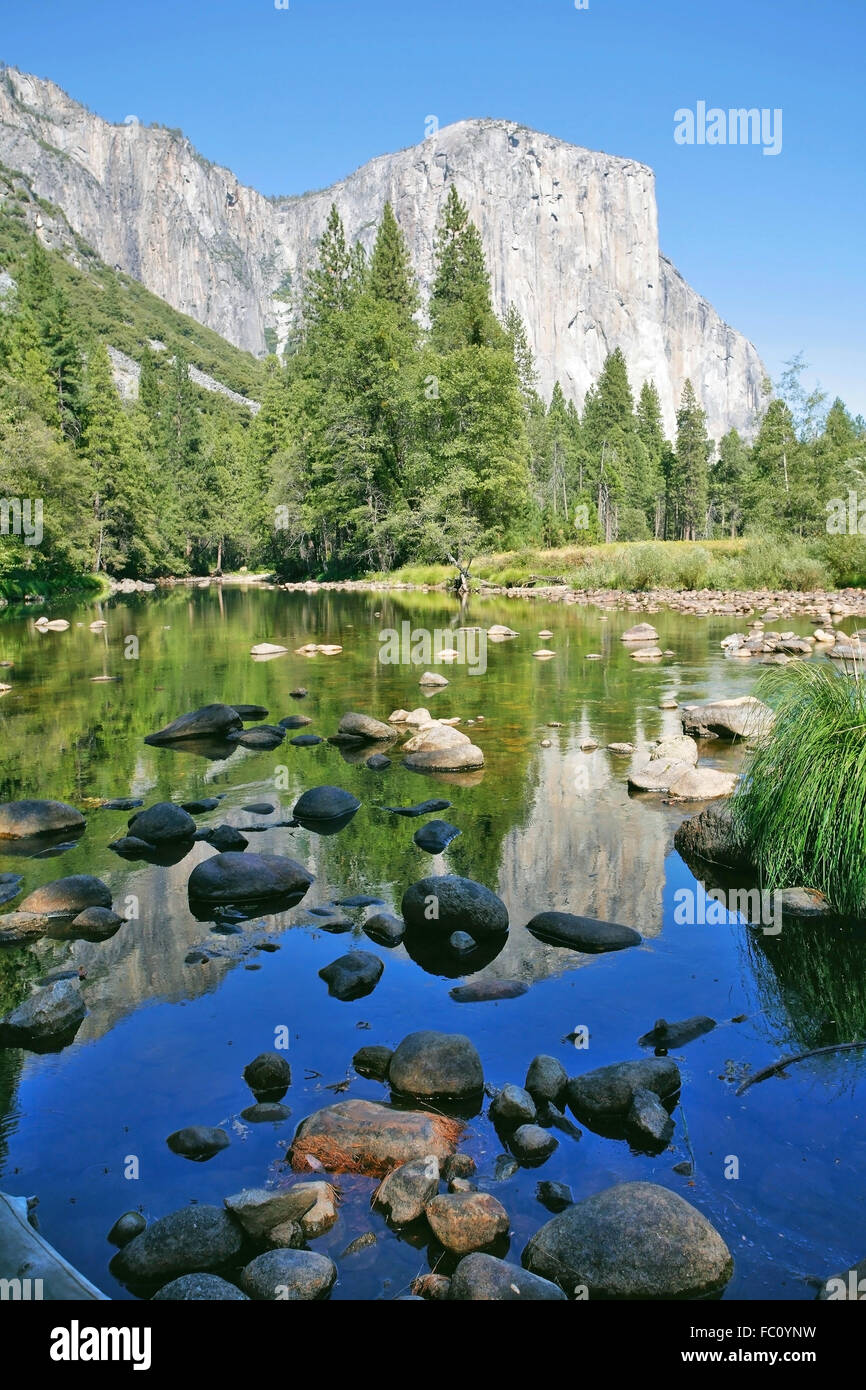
607	1092
461	757
360	1136
711	837
20	820
745	717
431	1065
162	823
260	1209
46	1019
323	806
483	1278
66	897
194	1239
364	726
434	736
208	722
445	903
641	632
634	1240
236	878
582	933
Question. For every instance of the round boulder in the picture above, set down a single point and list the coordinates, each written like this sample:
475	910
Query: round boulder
19	820
236	877
66	897
161	823
447	903
436	1065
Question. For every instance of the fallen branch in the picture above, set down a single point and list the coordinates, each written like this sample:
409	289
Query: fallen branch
775	1067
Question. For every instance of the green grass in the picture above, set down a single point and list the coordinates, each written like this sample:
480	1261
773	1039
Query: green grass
801	805
758	562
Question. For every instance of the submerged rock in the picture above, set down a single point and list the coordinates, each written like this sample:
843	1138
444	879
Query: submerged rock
96	923
634	1240
466	1221
431	1065
191	1240
484	991
162	822
421	808
378	762
67	896
21	820
198	1142
126	1228
238	878
582	933
352	976
435	836
268	1074
556	1196
608	1092
447	903
667	1035
484	1278
207	722
265	1112
710	836
359	1136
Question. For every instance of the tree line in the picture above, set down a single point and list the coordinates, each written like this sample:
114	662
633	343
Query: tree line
381	439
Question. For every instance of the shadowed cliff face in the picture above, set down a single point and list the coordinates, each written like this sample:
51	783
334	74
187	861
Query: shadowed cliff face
571	238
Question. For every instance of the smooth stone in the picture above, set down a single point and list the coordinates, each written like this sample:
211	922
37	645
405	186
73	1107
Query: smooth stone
261	736
162	823
702	784
207	722
582	933
122	803
466	1221
669	1035
131	846
432	678
268	649
352	976
295	721
225	838
634	1240
373	1061
98	922
359	1136
21	820
67	896
192	1240
465	757
378	762
608	1091
485	991
199	808
364	726
268	1073
198	1142
48	1018
546	1079
647	1121
259	808
385	929
462	943
460	904
126	1228
265	1112
505	1168
200	1288
305	741
432	1065
531	1144
422	808
325	803
291	1275
359	900
435	836
512	1106
483	1278
236	878
406	1191
642	632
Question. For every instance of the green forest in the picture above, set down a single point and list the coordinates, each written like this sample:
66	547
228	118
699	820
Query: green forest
379	442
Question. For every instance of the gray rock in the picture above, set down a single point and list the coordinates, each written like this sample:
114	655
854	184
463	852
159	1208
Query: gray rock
67	896
647	1121
352	976
265	1112
199	808
268	1074
608	1092
193	1239
198	1142
225	838
466	1221
673	1035
200	1288
162	823
305	740
364	726
260	736
358	1136
260	1209
209	722
582	933
461	943
744	717
505	1167
634	1240
447	903
97	923
378	762
435	836
483	1278
238	878
512	1106
47	1019
21	820
289	1274
436	1065
531	1144
294	721
385	929
711	837
556	1196
126	1228
324	804
406	1191
546	1079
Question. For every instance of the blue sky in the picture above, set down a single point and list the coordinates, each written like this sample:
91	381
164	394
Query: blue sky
295	98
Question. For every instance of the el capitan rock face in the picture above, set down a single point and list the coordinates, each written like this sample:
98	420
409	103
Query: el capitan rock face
571	237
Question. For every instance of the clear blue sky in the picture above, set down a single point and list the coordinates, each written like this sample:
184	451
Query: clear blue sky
294	99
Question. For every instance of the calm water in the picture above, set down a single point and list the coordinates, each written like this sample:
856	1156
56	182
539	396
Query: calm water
164	1043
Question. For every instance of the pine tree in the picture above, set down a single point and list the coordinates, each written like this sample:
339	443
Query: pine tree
729	482
329	286
390	275
461	311
688	488
650	430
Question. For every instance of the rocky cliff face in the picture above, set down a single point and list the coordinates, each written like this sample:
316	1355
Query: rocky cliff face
571	238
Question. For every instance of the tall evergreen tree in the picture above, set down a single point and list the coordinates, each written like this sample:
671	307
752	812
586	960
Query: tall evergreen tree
688	484
391	278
